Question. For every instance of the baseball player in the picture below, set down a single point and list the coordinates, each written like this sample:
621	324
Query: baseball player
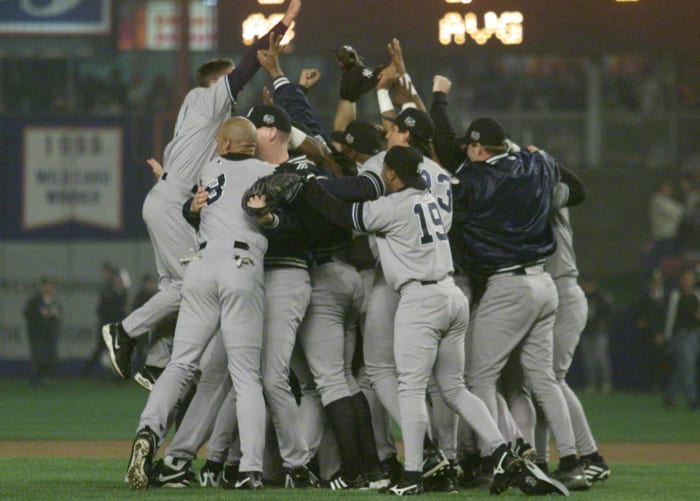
223	288
432	314
287	291
568	325
502	208
202	111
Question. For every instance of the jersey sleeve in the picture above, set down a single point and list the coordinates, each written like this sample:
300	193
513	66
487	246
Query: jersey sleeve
560	196
374	216
372	170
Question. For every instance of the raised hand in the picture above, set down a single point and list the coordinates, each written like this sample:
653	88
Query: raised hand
441	84
270	58
396	54
387	77
309	77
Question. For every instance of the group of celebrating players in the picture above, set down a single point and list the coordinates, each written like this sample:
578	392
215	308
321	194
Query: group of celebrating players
327	285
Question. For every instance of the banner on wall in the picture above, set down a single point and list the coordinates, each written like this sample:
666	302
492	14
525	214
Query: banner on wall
60	17
72	175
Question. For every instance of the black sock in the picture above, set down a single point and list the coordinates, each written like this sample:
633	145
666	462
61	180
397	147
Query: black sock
568	463
593	458
368	447
413	477
428	444
341	415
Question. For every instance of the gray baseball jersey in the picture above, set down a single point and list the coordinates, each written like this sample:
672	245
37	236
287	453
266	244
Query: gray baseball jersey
379	336
223	288
200	115
432	314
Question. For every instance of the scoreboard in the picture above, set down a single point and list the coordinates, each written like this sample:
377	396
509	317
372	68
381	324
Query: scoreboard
532	25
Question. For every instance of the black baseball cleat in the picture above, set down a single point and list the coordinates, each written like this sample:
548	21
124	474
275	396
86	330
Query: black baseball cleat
534	481
434	463
506	468
120	347
301	478
246	480
210	474
146	377
340	482
443	483
405	487
573	479
141	461
524	450
173	473
595	471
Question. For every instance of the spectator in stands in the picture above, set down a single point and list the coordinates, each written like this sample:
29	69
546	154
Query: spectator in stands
594	338
665	215
689	230
649	313
111	308
681	332
43	316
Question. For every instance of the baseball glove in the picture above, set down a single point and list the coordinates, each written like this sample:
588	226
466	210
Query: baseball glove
279	189
357	79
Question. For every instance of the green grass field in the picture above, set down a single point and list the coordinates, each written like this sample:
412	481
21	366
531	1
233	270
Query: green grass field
77	410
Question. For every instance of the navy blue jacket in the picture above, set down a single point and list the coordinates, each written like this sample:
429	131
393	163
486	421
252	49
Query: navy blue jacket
502	209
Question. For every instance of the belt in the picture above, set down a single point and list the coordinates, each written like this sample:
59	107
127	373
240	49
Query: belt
164	176
428	282
236	245
519	270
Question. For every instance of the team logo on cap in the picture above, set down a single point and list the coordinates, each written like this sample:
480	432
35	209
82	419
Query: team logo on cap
349	139
268	119
475	135
367	73
410	122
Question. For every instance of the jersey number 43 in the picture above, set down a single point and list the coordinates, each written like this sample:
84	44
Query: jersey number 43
431	226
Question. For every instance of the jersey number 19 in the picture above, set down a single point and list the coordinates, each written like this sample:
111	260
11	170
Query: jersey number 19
431	227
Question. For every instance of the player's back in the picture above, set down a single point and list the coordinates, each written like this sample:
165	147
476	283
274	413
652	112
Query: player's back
223	219
411	237
192	145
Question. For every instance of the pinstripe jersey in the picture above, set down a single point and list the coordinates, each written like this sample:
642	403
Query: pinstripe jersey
438	181
411	235
223	219
192	145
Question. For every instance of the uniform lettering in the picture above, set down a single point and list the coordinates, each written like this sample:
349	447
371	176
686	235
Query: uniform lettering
429	228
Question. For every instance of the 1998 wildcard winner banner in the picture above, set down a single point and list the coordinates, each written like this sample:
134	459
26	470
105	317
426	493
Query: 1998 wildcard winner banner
72	175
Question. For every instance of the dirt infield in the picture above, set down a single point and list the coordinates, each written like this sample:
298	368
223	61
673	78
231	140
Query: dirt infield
613	451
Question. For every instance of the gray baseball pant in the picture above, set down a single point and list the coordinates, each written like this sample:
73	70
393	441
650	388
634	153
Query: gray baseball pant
218	293
517	309
570	321
429	329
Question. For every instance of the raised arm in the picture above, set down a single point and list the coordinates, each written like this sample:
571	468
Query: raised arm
249	65
449	151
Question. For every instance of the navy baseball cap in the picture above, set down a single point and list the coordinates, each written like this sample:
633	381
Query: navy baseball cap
405	161
485	130
265	115
361	136
415	121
